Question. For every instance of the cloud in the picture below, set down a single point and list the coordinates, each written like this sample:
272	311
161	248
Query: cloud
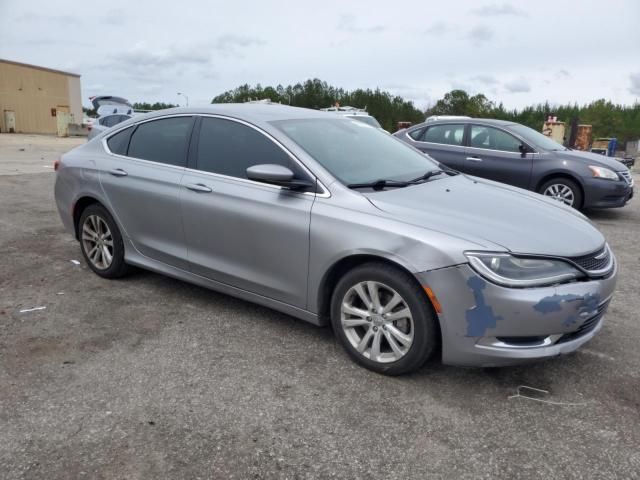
485	79
635	83
347	23
494	10
562	73
438	28
518	85
230	42
114	16
480	34
63	20
142	57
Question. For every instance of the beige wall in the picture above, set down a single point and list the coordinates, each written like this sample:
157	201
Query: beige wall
32	92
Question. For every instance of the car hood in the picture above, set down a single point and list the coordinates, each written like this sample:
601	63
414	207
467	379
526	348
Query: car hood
591	159
480	210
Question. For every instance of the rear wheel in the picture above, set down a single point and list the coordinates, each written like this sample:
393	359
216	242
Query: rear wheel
101	242
563	190
383	319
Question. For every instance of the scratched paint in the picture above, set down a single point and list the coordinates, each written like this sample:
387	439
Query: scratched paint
587	309
481	316
553	303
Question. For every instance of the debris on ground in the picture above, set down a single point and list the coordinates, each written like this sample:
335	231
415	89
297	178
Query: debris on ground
538	394
33	309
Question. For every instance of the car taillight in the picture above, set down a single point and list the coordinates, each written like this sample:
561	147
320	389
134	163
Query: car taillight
56	165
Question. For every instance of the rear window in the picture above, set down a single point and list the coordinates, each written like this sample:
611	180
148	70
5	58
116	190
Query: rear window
163	141
119	142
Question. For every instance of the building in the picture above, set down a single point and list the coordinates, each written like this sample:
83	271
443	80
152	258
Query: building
37	99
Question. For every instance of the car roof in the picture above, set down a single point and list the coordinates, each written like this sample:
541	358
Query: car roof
478	121
251	112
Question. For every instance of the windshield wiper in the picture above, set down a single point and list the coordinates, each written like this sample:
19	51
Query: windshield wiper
380	184
431	173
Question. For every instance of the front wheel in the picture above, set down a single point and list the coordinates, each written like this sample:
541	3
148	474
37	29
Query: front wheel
563	190
383	319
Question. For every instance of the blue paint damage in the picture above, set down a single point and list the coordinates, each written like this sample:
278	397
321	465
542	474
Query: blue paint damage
480	317
553	303
588	306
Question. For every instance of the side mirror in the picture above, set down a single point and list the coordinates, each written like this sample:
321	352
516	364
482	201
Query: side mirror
276	175
524	149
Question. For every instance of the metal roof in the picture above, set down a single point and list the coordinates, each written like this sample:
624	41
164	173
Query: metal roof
37	67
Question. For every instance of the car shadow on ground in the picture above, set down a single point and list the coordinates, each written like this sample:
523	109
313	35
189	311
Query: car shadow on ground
433	373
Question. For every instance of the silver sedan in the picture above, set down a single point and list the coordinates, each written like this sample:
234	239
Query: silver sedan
334	222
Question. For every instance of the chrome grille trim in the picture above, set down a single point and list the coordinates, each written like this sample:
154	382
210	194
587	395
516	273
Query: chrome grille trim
595	264
626	176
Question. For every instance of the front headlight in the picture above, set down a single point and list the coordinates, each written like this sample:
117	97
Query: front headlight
601	172
505	269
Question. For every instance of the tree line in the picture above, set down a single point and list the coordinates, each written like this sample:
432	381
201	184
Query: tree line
608	119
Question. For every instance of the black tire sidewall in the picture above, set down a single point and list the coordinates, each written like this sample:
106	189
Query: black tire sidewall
426	332
577	193
118	266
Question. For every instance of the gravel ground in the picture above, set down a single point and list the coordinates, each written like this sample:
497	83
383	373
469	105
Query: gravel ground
149	377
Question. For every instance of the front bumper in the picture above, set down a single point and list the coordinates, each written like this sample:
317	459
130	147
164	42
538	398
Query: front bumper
600	193
486	325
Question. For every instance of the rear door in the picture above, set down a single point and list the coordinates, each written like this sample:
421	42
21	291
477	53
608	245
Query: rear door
444	142
495	154
247	234
141	178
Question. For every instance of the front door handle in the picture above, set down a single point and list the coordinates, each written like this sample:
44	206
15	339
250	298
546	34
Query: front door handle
474	159
198	187
118	172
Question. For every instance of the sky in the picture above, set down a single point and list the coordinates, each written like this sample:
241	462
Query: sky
518	53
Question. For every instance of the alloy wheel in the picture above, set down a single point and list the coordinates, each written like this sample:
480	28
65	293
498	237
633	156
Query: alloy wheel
377	322
97	242
561	193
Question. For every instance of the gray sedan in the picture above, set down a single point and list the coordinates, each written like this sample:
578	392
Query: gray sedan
335	222
518	155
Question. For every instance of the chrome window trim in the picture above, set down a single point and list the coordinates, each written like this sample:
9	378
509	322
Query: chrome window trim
325	191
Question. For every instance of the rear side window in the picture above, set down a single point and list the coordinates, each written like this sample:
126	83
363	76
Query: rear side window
229	148
163	141
494	139
445	134
119	142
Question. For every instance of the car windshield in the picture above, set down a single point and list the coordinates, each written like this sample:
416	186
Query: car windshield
355	152
366	119
536	139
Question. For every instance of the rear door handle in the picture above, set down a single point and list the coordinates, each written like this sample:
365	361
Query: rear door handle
118	172
198	187
474	159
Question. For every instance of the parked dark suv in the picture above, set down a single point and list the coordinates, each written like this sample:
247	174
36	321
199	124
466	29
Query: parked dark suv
511	153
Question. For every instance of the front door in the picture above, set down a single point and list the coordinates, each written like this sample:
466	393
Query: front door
141	179
242	233
495	154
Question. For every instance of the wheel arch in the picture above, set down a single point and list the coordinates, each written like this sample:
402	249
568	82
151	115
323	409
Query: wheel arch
343	265
80	206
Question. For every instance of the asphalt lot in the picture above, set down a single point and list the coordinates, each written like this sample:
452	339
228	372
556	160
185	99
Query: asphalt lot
149	377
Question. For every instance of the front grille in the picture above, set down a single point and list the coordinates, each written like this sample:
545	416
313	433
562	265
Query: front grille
626	176
593	262
587	326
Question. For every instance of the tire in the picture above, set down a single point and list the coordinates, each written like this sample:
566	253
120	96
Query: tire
96	228
352	328
556	188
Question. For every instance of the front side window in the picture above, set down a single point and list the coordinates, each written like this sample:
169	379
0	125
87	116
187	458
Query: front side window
228	148
493	139
444	134
355	152
163	141
416	134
